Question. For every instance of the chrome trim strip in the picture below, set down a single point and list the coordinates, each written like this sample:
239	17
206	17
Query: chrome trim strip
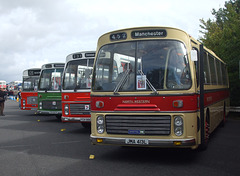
76	119
215	90
50	91
77	91
144	95
76	102
144	111
50	112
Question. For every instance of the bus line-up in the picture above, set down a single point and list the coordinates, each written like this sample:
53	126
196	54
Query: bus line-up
156	86
77	79
49	89
29	95
3	84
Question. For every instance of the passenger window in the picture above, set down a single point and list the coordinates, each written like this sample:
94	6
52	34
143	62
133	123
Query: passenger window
206	69
212	69
219	72
224	74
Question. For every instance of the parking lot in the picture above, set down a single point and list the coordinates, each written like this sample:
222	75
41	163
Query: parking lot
41	145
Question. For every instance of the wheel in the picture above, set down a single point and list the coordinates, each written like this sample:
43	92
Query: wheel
207	132
203	146
86	125
222	124
59	117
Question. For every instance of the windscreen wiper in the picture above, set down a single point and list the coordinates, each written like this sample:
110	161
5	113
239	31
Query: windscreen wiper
122	81
46	89
76	87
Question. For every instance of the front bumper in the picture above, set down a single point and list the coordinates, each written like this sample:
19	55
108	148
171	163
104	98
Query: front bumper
76	119
28	108
191	142
50	112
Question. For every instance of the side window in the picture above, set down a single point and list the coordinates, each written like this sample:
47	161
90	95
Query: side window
196	64
224	74
212	69
206	70
219	72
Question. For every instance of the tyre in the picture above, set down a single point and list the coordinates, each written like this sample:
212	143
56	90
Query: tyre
86	125
203	146
59	117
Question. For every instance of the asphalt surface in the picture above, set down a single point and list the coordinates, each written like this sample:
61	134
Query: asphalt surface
33	145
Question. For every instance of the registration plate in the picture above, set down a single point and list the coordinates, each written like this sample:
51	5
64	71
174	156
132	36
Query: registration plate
136	141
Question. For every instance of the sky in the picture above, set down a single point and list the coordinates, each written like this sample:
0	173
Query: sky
37	32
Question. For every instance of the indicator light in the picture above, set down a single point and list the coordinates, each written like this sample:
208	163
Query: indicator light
177	143
99	140
66	97
99	104
178	104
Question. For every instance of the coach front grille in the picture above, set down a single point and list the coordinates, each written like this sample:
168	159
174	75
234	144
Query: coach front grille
79	109
32	100
52	104
138	125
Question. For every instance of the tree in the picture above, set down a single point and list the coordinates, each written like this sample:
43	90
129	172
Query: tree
222	35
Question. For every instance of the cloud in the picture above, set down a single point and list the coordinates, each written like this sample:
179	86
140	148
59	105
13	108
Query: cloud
37	32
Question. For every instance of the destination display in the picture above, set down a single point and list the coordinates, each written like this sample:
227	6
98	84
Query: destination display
58	65
89	54
34	72
149	33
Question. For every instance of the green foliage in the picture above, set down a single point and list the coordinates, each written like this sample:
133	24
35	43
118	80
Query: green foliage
222	35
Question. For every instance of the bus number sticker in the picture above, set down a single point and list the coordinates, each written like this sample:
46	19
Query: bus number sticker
118	36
